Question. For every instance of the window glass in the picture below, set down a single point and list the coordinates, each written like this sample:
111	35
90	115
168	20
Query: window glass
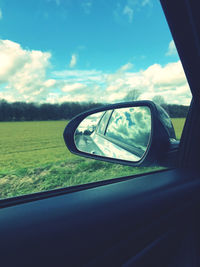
103	122
59	58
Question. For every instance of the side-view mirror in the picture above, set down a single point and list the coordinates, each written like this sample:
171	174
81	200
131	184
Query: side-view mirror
132	133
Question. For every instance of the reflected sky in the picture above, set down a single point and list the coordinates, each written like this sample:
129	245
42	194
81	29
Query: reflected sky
131	126
89	122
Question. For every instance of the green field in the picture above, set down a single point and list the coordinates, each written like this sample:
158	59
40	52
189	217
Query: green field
34	158
178	126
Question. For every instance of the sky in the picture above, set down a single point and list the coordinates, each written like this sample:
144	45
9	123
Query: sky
87	50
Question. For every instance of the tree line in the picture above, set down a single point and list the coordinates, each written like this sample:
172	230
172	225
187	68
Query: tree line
21	111
176	111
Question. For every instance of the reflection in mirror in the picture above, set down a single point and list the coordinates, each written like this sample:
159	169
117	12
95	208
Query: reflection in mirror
122	133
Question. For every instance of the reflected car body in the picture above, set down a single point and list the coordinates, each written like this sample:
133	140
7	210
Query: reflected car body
99	145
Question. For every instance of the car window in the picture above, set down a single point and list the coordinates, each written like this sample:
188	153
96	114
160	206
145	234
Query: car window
121	128
103	122
60	58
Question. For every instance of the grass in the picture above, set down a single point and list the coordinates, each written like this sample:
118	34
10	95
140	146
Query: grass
34	158
31	144
178	124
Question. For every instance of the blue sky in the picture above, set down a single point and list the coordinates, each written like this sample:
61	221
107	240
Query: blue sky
87	50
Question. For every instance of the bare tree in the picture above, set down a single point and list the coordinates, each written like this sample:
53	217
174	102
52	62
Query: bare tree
132	95
159	99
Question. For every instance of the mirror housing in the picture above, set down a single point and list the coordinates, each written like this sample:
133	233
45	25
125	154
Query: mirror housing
162	145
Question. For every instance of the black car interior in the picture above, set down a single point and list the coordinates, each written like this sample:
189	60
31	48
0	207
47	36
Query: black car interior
143	220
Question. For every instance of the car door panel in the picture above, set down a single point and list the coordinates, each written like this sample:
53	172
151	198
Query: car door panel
121	223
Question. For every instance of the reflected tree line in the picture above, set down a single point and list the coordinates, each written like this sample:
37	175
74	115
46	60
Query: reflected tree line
21	111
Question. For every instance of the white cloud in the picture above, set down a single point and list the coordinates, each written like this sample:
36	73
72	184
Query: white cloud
139	3
115	97
23	72
168	81
172	73
146	2
73	61
32	74
12	57
49	83
23	77
73	87
129	12
82	76
7	96
129	8
116	86
171	49
78	98
119	73
125	67
87	6
1	15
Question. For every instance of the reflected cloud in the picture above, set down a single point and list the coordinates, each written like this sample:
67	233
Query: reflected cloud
131	126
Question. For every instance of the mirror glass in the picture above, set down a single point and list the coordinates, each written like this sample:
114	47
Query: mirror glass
122	133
